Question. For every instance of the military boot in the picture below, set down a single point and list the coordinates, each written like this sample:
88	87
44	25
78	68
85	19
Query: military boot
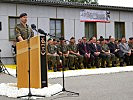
113	63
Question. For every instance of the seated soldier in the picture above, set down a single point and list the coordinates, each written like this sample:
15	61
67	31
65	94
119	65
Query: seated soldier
124	47
75	57
64	54
53	57
106	51
96	52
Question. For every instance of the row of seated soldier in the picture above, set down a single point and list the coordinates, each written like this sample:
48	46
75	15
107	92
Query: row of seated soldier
93	53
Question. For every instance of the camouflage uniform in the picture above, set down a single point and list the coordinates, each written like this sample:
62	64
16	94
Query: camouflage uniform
22	31
53	57
64	49
75	59
109	56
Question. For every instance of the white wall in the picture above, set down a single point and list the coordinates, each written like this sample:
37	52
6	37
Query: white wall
100	30
79	29
7	9
36	11
40	16
68	13
110	29
128	30
68	28
114	15
43	23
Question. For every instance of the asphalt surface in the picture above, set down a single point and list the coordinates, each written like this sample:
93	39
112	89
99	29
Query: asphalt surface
116	86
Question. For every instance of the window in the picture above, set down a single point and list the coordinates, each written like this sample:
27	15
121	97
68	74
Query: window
90	29
13	21
56	27
119	30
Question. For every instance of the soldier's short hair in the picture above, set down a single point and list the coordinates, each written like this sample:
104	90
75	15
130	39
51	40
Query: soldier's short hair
62	38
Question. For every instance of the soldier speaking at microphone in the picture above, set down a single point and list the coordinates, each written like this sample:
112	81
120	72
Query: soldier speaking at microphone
22	30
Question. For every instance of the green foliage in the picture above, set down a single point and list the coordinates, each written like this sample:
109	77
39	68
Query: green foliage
82	1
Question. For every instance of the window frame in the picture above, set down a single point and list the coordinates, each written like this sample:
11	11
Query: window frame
122	25
95	29
16	18
62	26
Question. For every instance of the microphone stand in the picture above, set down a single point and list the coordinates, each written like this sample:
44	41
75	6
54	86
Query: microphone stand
29	94
2	66
63	69
63	78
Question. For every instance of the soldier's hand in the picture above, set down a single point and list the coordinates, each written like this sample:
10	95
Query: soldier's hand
60	53
116	50
66	55
77	54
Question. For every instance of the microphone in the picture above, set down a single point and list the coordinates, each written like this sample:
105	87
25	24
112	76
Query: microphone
33	26
42	32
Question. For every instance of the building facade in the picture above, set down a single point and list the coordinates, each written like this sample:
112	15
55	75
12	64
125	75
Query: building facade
60	19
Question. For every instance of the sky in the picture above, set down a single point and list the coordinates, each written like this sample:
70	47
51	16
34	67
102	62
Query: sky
124	3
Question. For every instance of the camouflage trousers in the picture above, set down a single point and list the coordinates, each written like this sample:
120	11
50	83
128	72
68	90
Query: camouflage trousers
53	60
75	60
110	57
64	60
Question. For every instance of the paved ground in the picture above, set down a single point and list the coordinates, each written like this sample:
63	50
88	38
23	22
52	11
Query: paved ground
116	86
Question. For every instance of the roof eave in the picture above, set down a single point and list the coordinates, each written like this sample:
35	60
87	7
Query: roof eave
69	5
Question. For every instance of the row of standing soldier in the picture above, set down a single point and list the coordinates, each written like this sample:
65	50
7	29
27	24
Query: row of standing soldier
87	54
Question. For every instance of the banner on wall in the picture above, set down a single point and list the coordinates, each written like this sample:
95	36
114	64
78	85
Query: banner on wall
94	16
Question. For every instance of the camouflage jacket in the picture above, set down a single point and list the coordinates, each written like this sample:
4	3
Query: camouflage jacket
73	47
22	31
52	49
63	48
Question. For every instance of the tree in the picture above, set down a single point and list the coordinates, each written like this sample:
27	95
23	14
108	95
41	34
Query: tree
82	1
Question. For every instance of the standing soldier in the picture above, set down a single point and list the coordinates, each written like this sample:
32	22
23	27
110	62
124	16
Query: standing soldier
22	30
53	57
74	53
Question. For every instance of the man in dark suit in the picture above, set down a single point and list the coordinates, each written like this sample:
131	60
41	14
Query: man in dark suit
85	51
96	52
130	43
115	50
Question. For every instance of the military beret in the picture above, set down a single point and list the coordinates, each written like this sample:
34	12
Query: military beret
23	14
62	38
72	38
130	38
58	41
101	39
49	39
107	39
54	40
